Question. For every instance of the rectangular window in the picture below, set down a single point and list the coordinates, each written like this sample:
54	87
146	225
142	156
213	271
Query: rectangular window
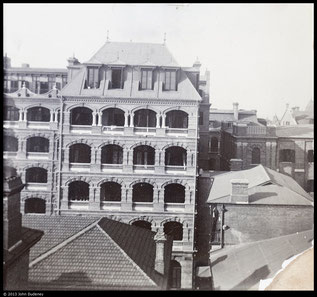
6	86
14	86
146	79
44	87
201	118
58	85
92	78
116	78
170	80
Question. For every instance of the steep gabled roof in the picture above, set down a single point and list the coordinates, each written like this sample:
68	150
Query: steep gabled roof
92	253
266	186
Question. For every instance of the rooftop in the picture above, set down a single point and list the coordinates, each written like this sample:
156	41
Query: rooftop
298	131
92	253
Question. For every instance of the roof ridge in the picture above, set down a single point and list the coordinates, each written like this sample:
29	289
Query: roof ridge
126	255
63	243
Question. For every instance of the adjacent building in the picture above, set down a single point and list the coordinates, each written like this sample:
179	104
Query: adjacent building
119	139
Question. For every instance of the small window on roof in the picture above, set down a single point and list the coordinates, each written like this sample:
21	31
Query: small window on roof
92	80
116	78
170	80
146	79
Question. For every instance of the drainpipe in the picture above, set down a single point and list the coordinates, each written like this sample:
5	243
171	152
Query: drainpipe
60	156
222	224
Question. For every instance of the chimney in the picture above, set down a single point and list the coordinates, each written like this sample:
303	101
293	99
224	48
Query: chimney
25	65
197	64
235	164
236	111
6	62
12	218
72	61
160	240
239	190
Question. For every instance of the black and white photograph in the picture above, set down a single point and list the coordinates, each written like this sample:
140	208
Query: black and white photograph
158	147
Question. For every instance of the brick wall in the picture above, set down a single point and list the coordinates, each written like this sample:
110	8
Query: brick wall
257	222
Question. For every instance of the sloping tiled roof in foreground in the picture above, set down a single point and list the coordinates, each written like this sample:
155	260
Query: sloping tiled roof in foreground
104	254
266	186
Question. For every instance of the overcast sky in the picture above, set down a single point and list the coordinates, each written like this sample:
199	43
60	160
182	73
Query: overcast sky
260	55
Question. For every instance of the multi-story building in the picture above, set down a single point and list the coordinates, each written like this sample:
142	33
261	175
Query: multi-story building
120	140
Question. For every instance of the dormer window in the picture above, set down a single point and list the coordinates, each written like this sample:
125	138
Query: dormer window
116	78
92	81
146	79
170	80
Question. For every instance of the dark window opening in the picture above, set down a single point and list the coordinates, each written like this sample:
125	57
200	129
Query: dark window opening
175	275
92	81
111	154
10	144
26	84
201	118
44	88
143	155
6	88
142	192
37	145
34	205
213	144
176	119
14	86
142	224
256	156
175	156
10	113
58	86
174	229
80	153
310	185
145	118
146	79
170	80
113	117
212	164
78	191
287	155
36	175
81	116
310	156
38	114
116	78
110	191
174	193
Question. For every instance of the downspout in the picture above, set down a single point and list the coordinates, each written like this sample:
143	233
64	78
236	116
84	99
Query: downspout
222	225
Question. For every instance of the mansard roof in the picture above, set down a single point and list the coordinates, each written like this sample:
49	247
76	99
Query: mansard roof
134	53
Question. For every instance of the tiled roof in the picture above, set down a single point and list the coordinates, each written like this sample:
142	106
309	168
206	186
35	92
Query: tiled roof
133	53
107	255
266	186
298	131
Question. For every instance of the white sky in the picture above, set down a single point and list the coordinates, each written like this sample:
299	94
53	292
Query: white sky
260	55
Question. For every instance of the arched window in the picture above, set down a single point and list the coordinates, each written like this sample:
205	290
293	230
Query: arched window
142	192
37	145
142	224
175	275
38	114
176	156
111	154
78	191
81	116
287	155
174	229
10	113
174	193
144	118
34	205
176	119
256	156
36	175
10	144
113	117
80	153
213	144
310	156
143	155
110	191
